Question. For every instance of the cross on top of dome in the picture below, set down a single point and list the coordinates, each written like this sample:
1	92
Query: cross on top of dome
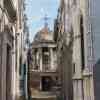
46	18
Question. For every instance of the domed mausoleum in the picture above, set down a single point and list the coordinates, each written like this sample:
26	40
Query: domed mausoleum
43	67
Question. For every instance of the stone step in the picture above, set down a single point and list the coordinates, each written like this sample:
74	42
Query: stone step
44	99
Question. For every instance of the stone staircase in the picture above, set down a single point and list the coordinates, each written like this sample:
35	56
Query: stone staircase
44	96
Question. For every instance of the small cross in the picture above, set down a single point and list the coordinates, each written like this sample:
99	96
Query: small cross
46	18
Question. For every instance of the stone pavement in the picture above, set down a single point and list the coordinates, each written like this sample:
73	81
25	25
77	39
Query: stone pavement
44	96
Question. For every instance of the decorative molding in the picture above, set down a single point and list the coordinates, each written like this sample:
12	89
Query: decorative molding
10	10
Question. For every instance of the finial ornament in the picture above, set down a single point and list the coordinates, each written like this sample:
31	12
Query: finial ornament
46	18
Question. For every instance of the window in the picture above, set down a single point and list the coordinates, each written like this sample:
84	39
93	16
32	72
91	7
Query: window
20	69
46	59
24	65
82	42
36	67
74	68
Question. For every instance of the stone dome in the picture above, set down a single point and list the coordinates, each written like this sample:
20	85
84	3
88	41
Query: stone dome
44	35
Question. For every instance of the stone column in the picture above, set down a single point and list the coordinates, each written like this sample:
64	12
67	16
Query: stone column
0	62
13	75
51	59
88	88
77	89
40	51
17	67
92	88
40	83
40	64
3	69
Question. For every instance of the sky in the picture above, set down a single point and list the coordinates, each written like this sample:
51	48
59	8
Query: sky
36	11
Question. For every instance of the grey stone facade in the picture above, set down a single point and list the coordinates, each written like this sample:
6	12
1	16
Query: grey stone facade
11	32
6	47
43	65
75	26
64	39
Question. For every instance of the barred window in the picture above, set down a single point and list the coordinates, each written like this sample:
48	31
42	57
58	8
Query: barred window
46	59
